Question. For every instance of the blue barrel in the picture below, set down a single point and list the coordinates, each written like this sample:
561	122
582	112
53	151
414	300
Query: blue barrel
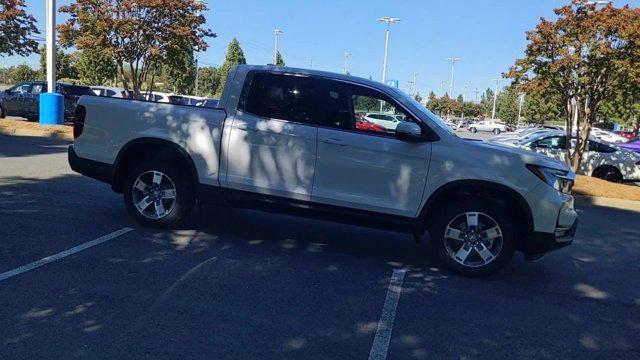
51	109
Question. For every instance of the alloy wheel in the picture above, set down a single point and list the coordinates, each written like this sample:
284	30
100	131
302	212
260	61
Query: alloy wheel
473	239
154	194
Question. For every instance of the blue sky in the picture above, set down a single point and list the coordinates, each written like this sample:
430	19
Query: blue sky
487	34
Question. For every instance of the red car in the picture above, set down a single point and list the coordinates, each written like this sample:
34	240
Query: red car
627	134
362	124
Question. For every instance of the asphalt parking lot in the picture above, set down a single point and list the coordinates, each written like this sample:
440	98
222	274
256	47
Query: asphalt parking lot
239	284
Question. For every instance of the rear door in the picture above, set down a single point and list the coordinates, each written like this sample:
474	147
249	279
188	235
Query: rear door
366	169
272	139
34	98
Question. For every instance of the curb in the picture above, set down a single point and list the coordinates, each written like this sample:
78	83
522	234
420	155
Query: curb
622	204
15	131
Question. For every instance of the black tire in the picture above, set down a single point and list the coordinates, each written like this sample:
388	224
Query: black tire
184	193
608	173
488	211
2	112
496	131
473	130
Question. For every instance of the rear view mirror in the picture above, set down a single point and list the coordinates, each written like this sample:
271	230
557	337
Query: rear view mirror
409	131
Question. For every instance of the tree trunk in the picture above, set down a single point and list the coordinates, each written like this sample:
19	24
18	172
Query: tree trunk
588	117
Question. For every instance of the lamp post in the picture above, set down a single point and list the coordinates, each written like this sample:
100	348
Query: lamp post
453	60
495	98
346	62
389	21
276	32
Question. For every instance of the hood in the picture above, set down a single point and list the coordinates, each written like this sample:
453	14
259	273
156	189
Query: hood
515	153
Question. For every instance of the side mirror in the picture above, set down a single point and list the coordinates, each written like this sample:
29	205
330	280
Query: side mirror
409	131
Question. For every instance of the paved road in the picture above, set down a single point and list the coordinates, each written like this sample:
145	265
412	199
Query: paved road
242	284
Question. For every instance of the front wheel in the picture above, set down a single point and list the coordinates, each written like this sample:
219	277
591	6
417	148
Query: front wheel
496	131
473	130
473	238
158	194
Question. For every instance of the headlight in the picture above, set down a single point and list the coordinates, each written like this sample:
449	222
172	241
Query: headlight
557	178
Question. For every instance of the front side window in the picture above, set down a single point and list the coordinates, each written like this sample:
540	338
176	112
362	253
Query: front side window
280	96
22	89
554	142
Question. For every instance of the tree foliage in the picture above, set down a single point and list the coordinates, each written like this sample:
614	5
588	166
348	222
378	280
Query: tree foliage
65	64
95	67
138	34
445	106
235	56
16	29
580	57
210	81
507	106
279	59
22	73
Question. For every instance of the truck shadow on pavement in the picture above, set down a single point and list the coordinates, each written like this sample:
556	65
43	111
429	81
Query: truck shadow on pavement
198	289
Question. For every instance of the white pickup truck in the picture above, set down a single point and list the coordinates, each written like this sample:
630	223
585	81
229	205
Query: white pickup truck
288	140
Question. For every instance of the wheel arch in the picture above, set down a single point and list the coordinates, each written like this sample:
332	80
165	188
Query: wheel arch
141	149
492	191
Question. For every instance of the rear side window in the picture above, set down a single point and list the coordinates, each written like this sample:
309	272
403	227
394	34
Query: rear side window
280	96
77	90
600	147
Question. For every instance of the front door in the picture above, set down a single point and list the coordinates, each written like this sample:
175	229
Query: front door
14	102
272	141
366	168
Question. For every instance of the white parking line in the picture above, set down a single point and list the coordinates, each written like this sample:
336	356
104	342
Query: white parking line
60	255
385	325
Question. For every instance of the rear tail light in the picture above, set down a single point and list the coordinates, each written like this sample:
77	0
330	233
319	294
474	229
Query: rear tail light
78	121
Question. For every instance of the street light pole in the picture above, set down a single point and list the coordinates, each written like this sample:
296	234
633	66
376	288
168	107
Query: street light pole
276	32
51	45
441	87
495	98
520	103
389	21
413	84
346	62
453	60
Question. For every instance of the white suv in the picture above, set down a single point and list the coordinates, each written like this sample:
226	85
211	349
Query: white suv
293	140
488	125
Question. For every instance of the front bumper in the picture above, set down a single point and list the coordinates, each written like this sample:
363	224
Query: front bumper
566	226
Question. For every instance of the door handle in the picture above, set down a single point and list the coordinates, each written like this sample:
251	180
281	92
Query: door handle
334	142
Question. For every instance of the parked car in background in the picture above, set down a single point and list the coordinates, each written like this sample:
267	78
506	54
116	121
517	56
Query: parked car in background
516	136
602	159
463	124
609	136
209	103
286	140
24	99
630	135
156	97
109	91
488	125
388	121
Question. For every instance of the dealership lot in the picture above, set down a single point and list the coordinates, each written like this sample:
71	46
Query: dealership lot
246	284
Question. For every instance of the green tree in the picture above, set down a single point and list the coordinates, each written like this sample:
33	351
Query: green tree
580	57
235	56
279	60
179	70
507	106
65	64
417	97
16	29
541	107
486	102
432	96
137	34
460	99
22	73
95	67
209	81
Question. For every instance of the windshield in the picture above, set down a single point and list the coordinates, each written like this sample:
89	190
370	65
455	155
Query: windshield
431	116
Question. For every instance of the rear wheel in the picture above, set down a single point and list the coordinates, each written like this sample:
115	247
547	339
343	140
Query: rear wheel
473	238
158	194
2	112
608	173
473	130
496	131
